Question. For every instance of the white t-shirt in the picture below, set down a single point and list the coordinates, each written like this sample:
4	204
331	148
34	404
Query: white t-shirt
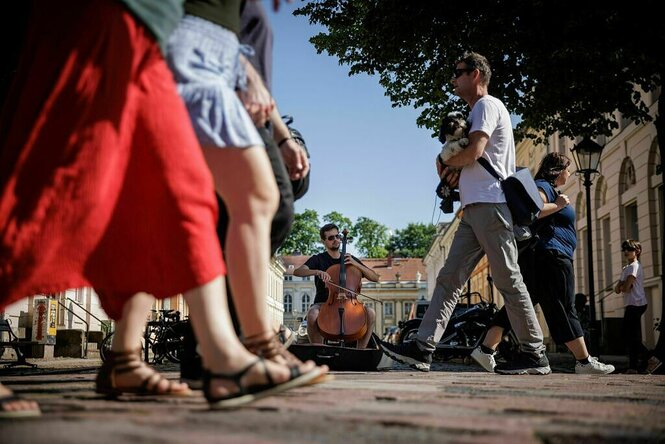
636	295
491	117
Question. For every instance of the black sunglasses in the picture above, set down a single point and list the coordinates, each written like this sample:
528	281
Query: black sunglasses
457	72
333	237
624	249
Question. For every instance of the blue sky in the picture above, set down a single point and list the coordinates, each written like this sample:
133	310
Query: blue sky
368	159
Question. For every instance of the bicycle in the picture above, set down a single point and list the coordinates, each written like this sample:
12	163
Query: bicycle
162	339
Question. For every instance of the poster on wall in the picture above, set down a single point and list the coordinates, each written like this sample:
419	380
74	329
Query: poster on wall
44	321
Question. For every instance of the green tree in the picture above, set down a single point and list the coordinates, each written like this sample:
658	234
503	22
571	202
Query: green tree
338	219
371	237
413	241
563	67
304	237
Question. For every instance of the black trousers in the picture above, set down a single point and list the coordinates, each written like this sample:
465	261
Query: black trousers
632	332
550	280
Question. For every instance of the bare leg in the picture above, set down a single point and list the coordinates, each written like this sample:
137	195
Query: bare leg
578	348
371	316
312	328
127	336
246	182
493	337
244	179
220	348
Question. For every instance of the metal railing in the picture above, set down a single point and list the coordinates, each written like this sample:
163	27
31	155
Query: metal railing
102	323
87	326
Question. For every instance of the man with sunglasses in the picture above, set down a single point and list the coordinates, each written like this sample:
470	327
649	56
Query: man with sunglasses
317	265
486	229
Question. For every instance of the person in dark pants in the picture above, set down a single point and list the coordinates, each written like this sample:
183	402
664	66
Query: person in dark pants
631	285
548	273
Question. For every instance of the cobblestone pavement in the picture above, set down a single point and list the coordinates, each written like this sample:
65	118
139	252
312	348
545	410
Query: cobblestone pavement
453	403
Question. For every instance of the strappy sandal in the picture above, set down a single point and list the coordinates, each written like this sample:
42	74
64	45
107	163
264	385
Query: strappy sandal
269	346
15	414
247	394
125	362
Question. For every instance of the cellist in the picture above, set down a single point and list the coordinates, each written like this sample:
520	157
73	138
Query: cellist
317	265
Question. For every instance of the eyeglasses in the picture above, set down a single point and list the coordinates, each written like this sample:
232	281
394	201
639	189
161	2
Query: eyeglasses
624	249
457	72
333	237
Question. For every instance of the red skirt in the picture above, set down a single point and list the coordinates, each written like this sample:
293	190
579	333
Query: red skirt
102	180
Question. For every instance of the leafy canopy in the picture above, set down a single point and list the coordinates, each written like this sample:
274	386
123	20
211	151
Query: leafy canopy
562	66
413	241
371	238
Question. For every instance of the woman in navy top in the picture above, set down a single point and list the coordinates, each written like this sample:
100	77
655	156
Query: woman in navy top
548	273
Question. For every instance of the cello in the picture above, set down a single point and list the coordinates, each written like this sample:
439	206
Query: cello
343	317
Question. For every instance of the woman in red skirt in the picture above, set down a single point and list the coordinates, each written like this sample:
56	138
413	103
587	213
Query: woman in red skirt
103	184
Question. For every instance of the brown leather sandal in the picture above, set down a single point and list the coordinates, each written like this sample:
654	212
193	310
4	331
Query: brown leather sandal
249	393
125	362
268	345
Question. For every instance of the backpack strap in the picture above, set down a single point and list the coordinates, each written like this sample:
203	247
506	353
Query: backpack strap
489	168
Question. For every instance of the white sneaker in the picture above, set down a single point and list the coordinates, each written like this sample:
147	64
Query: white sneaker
485	360
594	367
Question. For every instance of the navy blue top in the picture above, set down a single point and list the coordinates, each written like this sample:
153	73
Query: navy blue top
556	231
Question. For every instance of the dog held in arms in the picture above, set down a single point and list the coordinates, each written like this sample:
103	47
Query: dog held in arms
453	133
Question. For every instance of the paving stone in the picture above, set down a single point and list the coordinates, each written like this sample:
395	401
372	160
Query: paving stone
454	403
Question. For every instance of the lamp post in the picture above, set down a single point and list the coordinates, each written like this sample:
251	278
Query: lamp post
587	157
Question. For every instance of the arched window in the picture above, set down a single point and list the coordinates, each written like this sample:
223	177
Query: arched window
305	302
627	177
580	206
288	303
601	192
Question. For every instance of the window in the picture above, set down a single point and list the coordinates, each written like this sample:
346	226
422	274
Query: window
305	302
630	217
407	308
582	271
627	176
561	145
288	303
388	309
288	278
607	252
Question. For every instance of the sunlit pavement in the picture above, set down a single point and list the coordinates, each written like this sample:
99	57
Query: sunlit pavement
453	403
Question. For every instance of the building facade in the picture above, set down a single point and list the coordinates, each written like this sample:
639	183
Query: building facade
626	202
80	309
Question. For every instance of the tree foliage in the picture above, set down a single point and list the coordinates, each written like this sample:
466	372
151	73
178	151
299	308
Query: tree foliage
304	237
413	241
338	219
562	66
372	237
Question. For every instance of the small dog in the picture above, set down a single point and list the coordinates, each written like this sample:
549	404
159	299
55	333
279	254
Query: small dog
453	133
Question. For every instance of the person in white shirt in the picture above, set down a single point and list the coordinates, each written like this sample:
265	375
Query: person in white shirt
631	285
486	229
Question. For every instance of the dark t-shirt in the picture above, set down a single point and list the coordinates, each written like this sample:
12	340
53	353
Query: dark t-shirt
322	261
225	13
556	231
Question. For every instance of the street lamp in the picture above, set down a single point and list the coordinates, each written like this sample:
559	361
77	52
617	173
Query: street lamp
587	157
